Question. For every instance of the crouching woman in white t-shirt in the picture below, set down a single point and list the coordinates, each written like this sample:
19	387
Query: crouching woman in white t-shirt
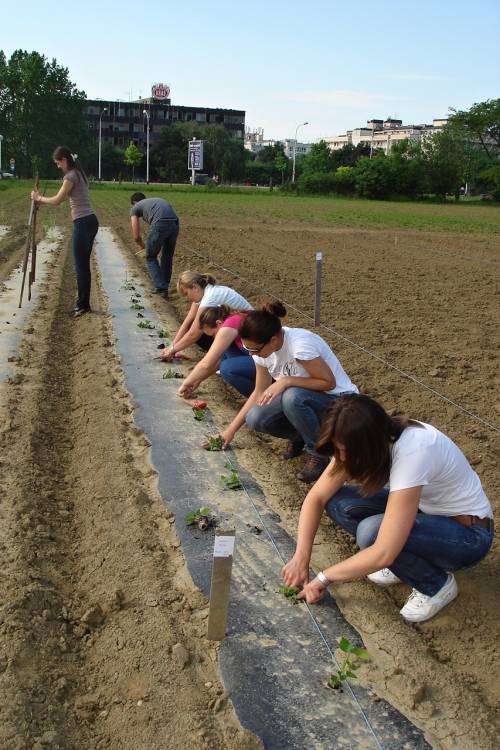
307	378
202	291
433	518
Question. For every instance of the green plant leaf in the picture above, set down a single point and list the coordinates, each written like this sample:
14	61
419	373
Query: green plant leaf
204	511
346	645
361	653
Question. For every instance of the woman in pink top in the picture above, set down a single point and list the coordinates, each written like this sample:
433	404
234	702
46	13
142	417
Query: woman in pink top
85	224
226	353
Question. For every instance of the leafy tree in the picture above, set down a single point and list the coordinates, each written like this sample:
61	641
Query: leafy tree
318	160
348	155
40	108
374	177
233	161
132	157
482	121
345	180
281	163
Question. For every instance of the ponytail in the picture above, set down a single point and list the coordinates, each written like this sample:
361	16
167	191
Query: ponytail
63	152
190	278
211	315
261	325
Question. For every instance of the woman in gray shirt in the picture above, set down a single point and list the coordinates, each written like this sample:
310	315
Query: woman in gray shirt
85	224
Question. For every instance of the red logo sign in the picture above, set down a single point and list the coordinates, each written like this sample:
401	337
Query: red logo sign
160	91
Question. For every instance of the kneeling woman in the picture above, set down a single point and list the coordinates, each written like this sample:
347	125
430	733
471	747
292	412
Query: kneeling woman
202	291
308	377
226	353
433	518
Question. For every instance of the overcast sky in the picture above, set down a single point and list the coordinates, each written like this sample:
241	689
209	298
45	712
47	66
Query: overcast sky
334	64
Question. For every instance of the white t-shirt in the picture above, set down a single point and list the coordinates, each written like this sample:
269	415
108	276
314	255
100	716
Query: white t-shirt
215	295
450	486
299	344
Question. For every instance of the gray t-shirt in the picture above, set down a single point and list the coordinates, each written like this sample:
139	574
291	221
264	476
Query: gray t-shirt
79	198
153	210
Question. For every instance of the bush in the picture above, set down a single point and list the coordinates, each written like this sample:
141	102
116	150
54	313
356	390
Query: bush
345	180
319	182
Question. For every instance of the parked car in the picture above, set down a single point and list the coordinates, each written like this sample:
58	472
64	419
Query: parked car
6	176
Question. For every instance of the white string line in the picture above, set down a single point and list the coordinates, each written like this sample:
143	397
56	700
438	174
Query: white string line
311	615
405	374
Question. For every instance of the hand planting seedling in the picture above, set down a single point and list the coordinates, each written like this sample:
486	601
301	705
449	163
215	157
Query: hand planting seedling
350	664
171	374
200	518
290	592
231	481
213	443
145	324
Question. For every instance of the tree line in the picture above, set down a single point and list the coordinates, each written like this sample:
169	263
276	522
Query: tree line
40	108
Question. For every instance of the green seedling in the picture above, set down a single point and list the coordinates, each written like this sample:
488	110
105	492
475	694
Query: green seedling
200	518
213	443
171	374
162	333
128	286
145	324
350	665
136	306
199	414
231	481
290	592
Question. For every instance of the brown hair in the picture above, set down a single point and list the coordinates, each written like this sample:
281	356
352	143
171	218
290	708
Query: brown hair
211	315
190	278
261	325
366	430
63	152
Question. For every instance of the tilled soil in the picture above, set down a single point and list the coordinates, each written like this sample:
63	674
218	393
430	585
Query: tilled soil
102	635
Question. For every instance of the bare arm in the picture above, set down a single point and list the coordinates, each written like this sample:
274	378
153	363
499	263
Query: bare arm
190	331
210	362
296	571
59	197
399	517
320	378
262	381
136	231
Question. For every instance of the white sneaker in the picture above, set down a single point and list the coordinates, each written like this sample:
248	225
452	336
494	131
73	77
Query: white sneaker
384	577
420	607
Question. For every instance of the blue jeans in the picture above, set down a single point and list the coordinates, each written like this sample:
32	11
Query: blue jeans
436	544
295	414
238	369
84	232
161	238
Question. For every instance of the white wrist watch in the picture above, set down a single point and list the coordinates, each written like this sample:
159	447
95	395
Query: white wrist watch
323	579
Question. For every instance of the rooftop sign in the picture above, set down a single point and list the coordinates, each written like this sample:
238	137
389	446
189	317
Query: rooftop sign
160	91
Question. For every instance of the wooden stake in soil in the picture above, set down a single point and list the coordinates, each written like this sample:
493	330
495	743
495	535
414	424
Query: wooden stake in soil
221	583
317	289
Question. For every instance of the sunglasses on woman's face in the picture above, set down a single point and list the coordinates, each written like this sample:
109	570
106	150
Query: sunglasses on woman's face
254	351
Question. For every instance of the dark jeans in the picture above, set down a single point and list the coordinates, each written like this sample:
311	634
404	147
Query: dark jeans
436	544
238	369
295	413
84	232
161	238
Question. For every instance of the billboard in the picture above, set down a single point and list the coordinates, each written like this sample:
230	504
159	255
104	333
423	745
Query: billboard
160	91
195	155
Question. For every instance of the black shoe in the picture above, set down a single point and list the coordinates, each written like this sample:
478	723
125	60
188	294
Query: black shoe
293	449
313	469
79	311
161	292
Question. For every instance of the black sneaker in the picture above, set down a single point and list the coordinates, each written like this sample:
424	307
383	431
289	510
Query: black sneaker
79	311
161	292
313	469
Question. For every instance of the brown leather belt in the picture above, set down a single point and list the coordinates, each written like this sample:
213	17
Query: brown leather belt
486	523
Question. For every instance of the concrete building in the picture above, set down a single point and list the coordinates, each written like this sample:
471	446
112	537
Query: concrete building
123	122
382	134
255	142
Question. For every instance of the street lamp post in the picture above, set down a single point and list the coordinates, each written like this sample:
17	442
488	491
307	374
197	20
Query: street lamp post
100	127
295	148
146	113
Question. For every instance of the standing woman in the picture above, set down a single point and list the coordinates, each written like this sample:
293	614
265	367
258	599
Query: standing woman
202	291
307	377
433	517
85	224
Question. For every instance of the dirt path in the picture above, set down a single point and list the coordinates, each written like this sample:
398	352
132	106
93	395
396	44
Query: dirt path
101	632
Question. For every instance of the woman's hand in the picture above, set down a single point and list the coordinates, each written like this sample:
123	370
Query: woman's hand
228	436
186	390
168	354
272	392
312	592
35	196
296	572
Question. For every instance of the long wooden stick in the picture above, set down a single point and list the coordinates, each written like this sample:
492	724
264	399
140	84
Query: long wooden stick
30	240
